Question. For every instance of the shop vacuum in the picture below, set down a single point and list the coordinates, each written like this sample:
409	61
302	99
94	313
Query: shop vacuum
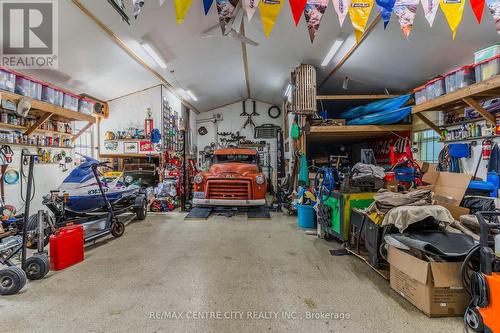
481	277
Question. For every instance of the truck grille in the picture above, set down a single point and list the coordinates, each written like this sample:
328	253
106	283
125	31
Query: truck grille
228	189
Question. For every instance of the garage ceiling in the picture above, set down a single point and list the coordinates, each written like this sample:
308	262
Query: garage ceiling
212	67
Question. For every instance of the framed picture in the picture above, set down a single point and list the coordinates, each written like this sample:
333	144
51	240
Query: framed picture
145	146
111	146
130	147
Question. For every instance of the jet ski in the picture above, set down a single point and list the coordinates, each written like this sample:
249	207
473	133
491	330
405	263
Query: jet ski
81	190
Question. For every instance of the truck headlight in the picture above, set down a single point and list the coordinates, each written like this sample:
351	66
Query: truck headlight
198	179
260	179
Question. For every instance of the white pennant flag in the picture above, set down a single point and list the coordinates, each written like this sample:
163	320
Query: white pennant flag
430	10
251	7
342	8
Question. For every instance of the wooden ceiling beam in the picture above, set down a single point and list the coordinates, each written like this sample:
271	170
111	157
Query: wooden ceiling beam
351	51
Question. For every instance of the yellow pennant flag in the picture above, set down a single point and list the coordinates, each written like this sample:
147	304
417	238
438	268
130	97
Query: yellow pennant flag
453	11
181	9
269	11
359	12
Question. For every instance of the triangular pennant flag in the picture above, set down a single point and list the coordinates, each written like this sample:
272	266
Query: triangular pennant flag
297	7
251	7
313	13
181	9
477	8
494	7
269	11
225	8
342	8
453	11
359	12
405	10
430	10
206	5
385	7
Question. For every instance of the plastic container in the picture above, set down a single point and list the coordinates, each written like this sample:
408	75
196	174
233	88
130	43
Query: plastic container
7	80
35	89
23	86
86	105
306	216
487	68
487	53
420	95
48	94
70	101
58	97
66	247
459	78
435	88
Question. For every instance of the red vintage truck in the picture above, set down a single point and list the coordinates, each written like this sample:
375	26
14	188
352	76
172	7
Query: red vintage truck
234	179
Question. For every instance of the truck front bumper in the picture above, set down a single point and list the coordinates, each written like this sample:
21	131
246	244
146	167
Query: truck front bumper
223	202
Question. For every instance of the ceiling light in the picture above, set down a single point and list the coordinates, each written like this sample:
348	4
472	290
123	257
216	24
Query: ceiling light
154	55
190	94
333	50
288	90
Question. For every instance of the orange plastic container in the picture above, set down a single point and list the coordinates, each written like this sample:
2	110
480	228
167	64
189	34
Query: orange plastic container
66	247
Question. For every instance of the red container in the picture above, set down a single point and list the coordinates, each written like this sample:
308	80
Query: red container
66	247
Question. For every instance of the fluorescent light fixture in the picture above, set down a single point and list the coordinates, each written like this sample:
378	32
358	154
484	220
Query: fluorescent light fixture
288	90
190	94
333	50
156	57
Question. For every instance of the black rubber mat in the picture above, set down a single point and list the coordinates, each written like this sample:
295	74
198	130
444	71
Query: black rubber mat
261	212
199	213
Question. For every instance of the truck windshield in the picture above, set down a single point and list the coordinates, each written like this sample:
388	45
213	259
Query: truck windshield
235	158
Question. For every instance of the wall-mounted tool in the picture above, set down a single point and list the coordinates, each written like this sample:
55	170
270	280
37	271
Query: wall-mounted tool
249	122
244	113
254	112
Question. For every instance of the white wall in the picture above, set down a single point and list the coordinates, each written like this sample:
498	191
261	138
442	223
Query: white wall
47	177
233	122
131	110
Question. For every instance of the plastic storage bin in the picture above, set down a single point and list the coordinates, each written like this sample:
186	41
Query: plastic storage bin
7	80
86	105
66	247
487	53
487	68
48	94
435	88
420	95
36	89
306	216
459	78
23	86
58	97
70	101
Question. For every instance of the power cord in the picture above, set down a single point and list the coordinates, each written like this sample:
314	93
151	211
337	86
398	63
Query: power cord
25	162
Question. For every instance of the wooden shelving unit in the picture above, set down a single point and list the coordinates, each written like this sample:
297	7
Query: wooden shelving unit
470	96
45	111
38	130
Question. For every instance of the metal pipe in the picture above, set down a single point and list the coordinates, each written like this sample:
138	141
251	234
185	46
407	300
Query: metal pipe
27	209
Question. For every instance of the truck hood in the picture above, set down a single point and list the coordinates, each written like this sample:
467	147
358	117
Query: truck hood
242	169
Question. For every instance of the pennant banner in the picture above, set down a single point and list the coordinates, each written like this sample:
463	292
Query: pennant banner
494	7
453	11
405	10
385	7
138	4
250	7
430	10
313	13
181	9
342	8
269	11
225	8
359	12
477	8
206	5
297	7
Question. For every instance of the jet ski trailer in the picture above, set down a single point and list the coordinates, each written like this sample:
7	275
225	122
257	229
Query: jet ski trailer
98	222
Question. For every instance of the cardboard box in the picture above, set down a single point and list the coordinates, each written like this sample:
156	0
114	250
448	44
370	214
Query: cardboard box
449	189
433	287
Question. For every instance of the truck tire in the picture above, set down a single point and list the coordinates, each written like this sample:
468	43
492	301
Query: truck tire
141	213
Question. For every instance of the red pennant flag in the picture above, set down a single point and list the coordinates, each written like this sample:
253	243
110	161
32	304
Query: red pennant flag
298	7
477	8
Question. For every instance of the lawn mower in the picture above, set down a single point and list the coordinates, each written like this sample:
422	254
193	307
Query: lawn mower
14	241
93	201
481	277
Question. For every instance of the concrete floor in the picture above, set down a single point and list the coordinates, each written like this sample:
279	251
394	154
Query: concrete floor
227	266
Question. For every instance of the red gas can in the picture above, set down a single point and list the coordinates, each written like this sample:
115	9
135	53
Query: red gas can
66	247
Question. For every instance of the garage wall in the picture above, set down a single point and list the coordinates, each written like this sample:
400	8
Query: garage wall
43	184
232	122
